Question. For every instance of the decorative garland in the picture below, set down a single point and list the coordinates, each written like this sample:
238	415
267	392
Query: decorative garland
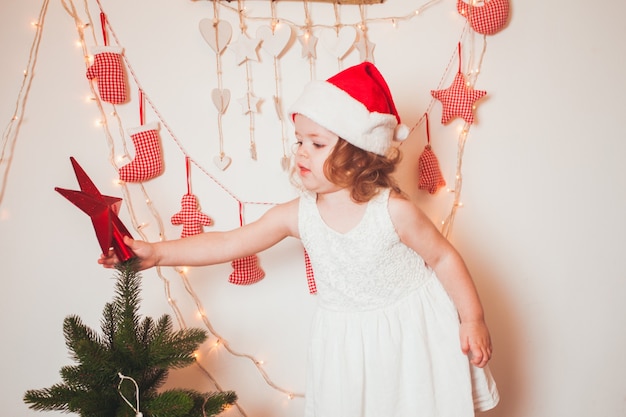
339	39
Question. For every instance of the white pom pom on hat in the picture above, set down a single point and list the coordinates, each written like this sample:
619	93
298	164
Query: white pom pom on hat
356	105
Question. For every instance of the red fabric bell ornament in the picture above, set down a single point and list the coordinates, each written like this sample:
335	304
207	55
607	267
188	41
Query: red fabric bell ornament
246	270
430	177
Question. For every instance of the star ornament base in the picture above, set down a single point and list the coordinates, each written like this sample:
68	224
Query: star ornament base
103	211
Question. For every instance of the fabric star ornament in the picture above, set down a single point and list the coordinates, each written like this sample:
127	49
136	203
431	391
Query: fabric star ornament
246	271
458	100
190	217
108	69
103	211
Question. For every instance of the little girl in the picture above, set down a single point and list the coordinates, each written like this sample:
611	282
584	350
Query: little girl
393	295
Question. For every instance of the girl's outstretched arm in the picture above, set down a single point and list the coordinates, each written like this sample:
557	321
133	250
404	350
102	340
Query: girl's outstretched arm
420	234
216	247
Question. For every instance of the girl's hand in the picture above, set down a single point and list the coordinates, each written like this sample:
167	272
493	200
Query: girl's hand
143	250
476	342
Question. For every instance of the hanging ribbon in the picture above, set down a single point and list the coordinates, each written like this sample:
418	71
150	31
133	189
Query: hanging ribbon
103	23
188	170
142	115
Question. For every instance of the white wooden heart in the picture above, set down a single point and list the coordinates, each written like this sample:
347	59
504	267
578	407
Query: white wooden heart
222	162
338	43
217	35
276	42
221	99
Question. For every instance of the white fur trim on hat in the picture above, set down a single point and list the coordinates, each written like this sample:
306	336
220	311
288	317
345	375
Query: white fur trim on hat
348	118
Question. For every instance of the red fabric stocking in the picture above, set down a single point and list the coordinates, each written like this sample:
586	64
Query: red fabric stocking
107	67
190	217
246	271
148	162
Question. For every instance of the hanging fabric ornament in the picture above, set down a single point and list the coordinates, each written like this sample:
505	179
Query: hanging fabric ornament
148	161
246	270
109	71
430	177
190	215
458	99
310	277
486	19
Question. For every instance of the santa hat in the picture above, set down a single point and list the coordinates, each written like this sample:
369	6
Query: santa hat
356	105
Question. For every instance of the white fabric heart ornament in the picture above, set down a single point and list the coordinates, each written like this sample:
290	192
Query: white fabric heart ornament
221	99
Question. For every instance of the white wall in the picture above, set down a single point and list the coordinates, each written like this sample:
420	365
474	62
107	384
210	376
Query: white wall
542	225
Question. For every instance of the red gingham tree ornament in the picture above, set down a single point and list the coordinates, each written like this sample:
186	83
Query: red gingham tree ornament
190	215
148	161
430	177
246	270
458	99
108	69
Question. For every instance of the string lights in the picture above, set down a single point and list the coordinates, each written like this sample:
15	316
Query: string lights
110	121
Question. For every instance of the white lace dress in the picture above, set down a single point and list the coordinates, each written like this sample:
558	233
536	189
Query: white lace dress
385	335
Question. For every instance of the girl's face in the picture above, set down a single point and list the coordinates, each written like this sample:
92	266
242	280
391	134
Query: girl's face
313	145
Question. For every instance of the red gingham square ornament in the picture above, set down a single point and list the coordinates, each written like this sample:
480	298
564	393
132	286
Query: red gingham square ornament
190	217
148	161
108	69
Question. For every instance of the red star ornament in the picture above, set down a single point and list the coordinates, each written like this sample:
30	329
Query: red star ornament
103	211
458	100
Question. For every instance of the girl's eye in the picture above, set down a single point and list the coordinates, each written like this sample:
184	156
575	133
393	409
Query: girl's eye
318	145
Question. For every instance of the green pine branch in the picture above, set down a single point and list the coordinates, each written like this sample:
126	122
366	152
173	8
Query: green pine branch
140	348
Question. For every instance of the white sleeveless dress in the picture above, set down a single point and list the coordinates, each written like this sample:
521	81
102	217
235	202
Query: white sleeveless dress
385	335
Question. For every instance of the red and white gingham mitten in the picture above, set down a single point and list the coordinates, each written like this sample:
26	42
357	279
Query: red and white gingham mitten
310	277
148	161
246	271
190	217
107	67
430	178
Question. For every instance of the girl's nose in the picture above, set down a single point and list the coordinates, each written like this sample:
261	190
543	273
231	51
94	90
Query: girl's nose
297	149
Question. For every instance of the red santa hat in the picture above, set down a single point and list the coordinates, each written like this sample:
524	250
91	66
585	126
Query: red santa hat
356	105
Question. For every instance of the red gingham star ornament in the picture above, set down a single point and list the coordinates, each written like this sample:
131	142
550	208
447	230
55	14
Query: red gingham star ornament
458	100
